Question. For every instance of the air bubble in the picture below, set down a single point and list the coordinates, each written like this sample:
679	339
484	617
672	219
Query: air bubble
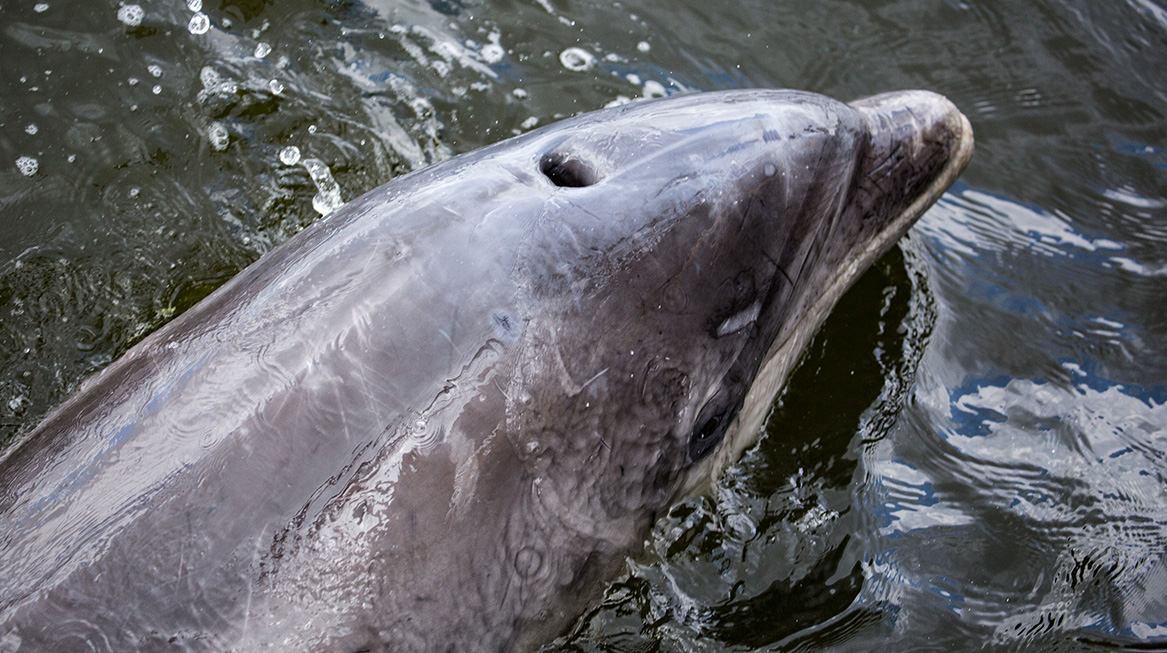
154	69
276	86
290	155
40	7
131	15
200	23
27	166
493	52
643	46
262	50
31	128
194	5
209	77
576	59
218	136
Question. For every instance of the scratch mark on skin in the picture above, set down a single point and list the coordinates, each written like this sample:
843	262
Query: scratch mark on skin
501	390
343	415
601	437
594	377
565	381
255	556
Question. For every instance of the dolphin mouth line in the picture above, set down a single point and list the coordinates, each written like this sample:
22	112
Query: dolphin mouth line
783	356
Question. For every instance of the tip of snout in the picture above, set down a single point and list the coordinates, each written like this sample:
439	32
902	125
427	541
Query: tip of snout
922	118
918	144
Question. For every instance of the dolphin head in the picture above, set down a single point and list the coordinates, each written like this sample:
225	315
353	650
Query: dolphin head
685	253
622	295
439	418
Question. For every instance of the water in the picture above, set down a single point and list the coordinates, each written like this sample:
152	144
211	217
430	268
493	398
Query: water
972	453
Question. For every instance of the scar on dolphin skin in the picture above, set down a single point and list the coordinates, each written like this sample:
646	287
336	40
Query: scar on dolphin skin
505	386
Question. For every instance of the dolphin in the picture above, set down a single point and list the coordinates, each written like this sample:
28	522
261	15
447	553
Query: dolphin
441	417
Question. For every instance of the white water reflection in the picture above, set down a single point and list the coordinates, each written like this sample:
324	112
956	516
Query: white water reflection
1069	479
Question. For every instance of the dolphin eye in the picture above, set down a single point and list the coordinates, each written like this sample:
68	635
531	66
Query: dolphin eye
706	436
566	171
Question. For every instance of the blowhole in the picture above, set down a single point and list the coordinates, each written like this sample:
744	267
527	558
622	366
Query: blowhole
567	171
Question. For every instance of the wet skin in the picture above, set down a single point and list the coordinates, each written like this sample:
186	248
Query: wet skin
441	417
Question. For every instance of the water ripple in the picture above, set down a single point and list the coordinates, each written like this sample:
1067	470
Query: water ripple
1071	477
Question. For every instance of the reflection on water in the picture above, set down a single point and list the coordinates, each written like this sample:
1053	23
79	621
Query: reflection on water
1050	499
971	452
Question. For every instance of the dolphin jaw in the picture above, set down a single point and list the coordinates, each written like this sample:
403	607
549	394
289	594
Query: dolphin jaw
785	353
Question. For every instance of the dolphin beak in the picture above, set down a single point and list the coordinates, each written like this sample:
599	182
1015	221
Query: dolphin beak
920	143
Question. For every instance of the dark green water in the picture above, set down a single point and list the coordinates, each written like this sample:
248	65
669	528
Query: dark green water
973	454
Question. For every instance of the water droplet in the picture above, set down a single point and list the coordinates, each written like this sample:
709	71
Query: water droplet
643	46
218	136
276	86
493	52
27	166
40	7
654	89
194	5
200	23
576	59
154	69
262	50
770	170
156	90
290	155
31	129
210	77
328	199
131	15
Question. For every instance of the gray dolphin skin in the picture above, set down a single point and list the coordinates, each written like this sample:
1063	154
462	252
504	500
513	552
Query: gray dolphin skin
440	418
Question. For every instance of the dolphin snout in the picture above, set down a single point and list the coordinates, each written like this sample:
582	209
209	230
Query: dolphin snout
918	143
918	138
